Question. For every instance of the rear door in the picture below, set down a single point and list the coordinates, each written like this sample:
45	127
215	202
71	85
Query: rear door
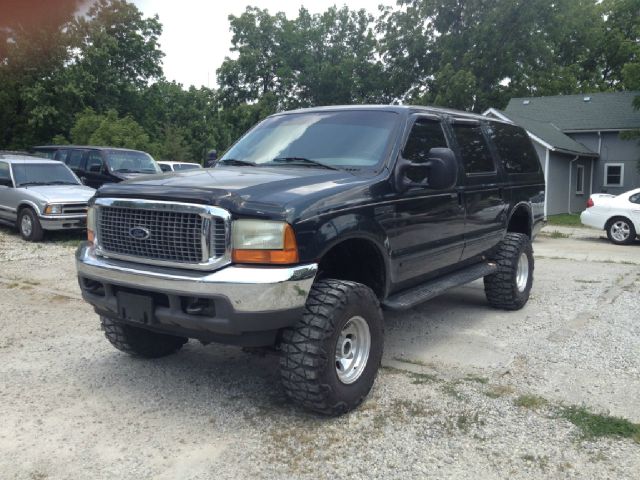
427	231
481	191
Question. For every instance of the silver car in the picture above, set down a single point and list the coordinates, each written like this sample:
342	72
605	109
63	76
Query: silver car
38	194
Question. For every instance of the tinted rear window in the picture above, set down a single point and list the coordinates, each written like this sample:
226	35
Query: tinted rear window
475	153
514	148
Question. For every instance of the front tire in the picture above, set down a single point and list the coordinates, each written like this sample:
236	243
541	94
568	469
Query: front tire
509	287
29	226
139	342
621	231
330	358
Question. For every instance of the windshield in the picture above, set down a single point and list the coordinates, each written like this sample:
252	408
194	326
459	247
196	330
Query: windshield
357	139
34	173
130	161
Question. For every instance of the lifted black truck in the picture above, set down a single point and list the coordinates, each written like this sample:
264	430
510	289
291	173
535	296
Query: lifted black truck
310	225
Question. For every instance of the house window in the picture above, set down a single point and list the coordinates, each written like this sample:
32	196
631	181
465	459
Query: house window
613	174
580	180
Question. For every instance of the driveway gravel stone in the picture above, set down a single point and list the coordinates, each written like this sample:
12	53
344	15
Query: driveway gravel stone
445	405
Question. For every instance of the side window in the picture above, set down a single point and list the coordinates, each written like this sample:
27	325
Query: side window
475	153
75	159
165	168
635	198
94	162
514	148
579	179
425	135
61	155
5	175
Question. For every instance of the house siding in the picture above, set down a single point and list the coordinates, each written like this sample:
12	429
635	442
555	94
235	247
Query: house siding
613	150
558	197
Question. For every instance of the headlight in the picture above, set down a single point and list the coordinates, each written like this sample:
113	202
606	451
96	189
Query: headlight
263	241
53	209
91	224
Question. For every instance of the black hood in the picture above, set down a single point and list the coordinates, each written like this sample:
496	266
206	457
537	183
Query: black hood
275	192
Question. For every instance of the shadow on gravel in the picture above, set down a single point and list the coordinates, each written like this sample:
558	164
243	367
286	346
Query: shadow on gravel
211	378
226	380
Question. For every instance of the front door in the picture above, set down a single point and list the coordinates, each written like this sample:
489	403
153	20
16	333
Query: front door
481	191
426	228
95	170
7	194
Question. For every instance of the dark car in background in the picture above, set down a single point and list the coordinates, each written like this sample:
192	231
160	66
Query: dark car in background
96	166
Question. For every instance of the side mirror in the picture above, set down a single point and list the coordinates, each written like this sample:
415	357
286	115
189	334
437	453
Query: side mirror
6	182
439	172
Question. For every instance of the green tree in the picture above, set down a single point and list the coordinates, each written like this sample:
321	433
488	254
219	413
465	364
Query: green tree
109	129
319	59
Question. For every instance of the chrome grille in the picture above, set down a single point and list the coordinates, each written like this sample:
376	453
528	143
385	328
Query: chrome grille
74	208
163	233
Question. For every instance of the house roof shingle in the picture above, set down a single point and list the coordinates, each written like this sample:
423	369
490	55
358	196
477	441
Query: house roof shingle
602	111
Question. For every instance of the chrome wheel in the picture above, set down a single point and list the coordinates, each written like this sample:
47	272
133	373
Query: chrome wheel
26	225
352	350
522	272
620	231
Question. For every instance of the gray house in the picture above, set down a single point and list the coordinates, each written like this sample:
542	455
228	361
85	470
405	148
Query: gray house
577	138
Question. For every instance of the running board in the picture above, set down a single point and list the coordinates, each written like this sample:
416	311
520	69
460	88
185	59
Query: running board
417	295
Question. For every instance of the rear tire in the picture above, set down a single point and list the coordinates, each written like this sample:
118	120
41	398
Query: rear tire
620	230
139	342
509	287
29	226
330	358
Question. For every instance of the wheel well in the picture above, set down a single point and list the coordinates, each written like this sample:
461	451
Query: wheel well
358	260
520	222
612	219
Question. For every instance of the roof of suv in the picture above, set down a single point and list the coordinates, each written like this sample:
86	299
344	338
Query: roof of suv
94	147
396	109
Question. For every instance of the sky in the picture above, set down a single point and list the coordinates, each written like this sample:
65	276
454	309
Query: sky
196	36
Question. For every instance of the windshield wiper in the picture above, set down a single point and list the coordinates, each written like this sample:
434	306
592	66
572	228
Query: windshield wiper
27	184
61	182
233	161
302	161
125	170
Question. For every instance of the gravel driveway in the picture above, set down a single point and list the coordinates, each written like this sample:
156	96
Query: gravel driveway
465	391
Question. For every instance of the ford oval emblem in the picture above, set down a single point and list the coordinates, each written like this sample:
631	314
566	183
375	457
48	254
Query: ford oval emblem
139	233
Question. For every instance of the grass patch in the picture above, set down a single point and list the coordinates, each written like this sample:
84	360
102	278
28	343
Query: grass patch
451	390
498	391
593	425
565	219
541	460
531	402
477	379
557	234
413	362
422	378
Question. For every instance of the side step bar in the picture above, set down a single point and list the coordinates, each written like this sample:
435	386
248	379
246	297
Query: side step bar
417	295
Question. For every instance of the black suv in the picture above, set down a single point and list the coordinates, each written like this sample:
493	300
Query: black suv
96	166
308	227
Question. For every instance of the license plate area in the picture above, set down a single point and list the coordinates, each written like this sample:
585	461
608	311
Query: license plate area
135	308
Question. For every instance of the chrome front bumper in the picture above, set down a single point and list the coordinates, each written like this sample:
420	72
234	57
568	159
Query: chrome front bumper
63	222
247	289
